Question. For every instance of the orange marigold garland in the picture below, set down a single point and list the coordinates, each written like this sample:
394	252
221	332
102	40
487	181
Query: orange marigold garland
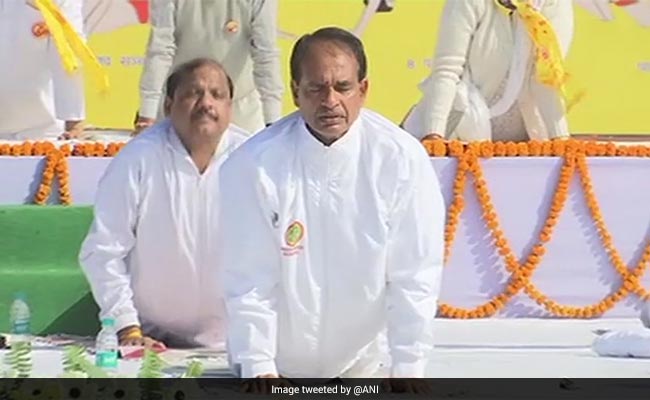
63	173
574	154
113	148
632	277
457	203
66	150
533	148
520	274
89	149
49	171
56	163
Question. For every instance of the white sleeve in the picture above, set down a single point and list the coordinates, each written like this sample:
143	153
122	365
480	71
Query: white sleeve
111	238
161	49
69	98
266	58
250	262
458	24
414	271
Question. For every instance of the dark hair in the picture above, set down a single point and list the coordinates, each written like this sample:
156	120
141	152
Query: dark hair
184	70
329	34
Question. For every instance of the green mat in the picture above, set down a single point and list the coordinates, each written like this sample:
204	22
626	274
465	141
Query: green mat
38	255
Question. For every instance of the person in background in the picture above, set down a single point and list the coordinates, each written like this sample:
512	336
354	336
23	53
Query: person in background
39	99
332	231
241	35
498	73
149	254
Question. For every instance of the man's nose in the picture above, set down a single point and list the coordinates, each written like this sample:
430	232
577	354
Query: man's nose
205	101
330	98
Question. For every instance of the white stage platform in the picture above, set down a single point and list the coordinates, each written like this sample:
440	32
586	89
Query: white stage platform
491	348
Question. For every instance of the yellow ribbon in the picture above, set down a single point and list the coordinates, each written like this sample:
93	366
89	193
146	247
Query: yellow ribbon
70	44
549	62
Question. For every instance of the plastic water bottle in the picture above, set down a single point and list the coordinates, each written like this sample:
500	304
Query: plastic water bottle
20	318
106	346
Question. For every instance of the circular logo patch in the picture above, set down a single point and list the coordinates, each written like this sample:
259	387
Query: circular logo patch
294	234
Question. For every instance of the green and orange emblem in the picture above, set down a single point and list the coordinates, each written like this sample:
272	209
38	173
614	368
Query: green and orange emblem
294	234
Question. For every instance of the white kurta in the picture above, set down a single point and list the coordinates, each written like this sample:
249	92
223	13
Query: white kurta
327	246
36	94
150	253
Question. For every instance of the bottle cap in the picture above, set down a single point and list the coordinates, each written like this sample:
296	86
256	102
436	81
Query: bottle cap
20	296
108	322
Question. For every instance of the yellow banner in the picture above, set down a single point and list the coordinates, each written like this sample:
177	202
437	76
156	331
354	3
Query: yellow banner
610	55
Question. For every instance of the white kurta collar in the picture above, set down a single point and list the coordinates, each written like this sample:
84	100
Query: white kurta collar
174	142
344	148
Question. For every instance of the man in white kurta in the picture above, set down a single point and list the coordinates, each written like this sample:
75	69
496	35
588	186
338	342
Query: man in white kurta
38	99
240	34
149	255
335	231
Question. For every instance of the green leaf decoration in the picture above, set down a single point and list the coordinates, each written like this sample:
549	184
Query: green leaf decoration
194	370
19	359
152	365
75	362
92	370
73	357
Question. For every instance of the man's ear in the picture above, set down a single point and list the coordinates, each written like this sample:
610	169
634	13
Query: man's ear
167	106
363	87
294	93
